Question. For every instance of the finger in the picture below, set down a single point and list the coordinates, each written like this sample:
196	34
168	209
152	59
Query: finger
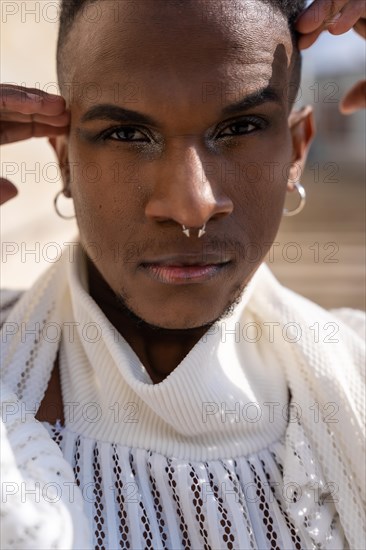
30	101
7	190
57	120
355	99
319	14
306	40
348	17
16	131
360	27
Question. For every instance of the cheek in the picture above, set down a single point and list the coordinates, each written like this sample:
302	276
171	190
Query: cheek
105	198
260	189
109	201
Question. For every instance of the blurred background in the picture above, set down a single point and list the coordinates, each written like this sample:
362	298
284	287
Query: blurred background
319	253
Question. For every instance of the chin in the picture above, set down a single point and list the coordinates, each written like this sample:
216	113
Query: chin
183	317
176	322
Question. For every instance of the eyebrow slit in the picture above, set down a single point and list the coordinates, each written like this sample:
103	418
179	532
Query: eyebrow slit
264	95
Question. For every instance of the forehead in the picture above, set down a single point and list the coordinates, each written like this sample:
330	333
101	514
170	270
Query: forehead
160	46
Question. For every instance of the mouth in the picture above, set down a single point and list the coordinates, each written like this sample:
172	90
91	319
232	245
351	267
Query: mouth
185	269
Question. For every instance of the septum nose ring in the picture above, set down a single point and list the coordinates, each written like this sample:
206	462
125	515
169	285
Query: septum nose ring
200	231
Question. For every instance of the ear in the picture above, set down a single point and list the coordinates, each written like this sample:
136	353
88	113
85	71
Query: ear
60	146
302	127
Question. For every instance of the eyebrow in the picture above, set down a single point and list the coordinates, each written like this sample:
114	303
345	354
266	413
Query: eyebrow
264	95
106	111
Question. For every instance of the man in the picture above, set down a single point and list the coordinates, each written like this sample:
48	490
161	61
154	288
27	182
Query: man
189	95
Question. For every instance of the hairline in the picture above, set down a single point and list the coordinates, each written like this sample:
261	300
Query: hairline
296	59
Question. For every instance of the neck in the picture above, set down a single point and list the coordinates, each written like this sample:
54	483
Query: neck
159	349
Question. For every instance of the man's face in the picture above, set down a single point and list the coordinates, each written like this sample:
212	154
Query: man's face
186	158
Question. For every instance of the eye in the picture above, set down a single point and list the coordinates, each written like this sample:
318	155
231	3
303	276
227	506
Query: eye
125	133
243	127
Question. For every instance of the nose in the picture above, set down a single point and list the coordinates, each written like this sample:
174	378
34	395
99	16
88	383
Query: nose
182	193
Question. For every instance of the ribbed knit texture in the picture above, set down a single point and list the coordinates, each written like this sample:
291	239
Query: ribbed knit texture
187	415
155	464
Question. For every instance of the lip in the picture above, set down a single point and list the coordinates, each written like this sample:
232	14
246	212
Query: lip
208	258
183	274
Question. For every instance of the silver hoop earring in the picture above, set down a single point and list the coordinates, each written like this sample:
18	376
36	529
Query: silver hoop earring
56	207
200	231
298	209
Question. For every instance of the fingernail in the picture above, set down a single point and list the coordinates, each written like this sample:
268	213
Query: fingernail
34	97
333	20
52	96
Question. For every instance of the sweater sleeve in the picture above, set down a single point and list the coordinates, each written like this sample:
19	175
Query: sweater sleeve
40	508
8	299
355	319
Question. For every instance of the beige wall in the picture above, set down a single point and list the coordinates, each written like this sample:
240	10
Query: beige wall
28	46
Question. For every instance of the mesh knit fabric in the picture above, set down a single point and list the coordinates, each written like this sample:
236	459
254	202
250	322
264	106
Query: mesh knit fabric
173	479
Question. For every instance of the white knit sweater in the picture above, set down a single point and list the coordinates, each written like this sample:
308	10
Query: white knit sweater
212	457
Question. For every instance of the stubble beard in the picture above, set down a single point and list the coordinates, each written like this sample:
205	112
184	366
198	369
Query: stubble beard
124	301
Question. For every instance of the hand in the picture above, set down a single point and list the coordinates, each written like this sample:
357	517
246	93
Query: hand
338	17
26	113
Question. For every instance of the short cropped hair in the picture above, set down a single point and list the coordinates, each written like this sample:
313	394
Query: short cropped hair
290	9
